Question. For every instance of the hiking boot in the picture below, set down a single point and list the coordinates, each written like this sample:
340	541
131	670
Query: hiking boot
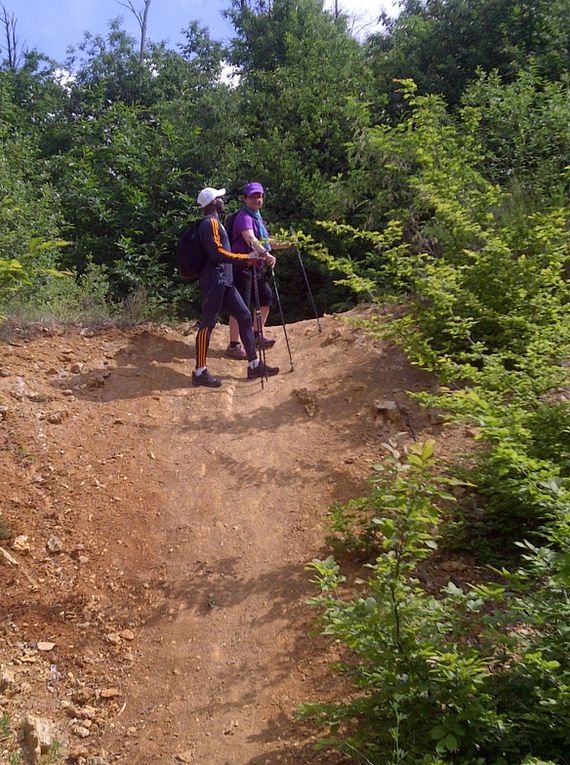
206	380
261	370
267	342
237	352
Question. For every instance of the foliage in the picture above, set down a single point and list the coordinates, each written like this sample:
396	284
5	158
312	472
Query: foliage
301	74
12	276
434	677
404	491
442	43
144	271
482	284
523	126
64	296
486	293
29	205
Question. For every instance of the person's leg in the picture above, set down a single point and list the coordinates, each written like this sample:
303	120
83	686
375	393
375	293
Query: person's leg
233	303
211	306
234	331
266	302
242	282
235	306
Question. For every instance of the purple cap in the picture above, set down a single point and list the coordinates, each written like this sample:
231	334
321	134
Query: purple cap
254	187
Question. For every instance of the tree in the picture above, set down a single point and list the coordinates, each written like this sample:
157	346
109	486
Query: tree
302	75
524	130
442	43
9	22
142	18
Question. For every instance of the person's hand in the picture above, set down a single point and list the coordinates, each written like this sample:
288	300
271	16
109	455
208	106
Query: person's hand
270	259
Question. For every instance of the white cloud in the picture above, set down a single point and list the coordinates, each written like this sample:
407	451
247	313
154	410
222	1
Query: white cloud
364	14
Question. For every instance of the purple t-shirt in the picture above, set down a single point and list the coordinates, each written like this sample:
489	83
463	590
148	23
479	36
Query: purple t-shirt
242	222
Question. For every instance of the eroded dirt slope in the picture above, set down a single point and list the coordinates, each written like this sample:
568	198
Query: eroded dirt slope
156	535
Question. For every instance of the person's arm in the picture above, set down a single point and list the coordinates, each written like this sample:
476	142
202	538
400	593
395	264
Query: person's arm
248	236
212	239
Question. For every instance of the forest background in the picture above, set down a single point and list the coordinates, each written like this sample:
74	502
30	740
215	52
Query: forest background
426	167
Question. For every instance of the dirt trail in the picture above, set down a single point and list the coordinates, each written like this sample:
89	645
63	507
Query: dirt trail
175	591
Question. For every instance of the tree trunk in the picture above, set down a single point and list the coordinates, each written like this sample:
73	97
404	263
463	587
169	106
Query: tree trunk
9	22
143	23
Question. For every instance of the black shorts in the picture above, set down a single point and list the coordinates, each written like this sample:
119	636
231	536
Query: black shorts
244	284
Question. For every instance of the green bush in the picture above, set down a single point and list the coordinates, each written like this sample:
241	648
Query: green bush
478	674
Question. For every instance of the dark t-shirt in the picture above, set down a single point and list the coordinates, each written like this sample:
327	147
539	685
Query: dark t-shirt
218	268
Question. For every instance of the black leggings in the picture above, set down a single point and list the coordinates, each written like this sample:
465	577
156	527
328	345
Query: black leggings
215	299
243	280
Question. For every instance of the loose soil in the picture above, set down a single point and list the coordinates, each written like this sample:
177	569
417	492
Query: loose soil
155	536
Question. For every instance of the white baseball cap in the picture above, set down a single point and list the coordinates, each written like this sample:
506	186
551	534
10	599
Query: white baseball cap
207	195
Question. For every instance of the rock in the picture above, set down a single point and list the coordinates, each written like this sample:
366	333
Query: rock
56	418
78	754
110	693
45	645
81	731
21	543
83	695
387	410
20	389
127	635
308	399
5	372
76	368
37	737
8	685
54	544
3	412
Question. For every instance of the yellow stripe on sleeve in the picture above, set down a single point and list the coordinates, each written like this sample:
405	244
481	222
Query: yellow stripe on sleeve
218	243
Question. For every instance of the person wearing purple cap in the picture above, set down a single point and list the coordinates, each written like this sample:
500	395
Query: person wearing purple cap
249	234
219	293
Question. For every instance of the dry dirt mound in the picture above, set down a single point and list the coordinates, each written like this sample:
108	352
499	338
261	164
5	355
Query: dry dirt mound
155	535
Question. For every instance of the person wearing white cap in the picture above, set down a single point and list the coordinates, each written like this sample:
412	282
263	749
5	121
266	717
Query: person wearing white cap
219	293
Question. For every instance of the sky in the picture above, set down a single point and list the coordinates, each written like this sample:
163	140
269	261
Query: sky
51	26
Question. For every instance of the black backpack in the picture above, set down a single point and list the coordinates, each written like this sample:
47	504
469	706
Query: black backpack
191	255
229	225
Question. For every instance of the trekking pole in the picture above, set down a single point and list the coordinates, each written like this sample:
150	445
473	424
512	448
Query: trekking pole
306	281
259	325
282	317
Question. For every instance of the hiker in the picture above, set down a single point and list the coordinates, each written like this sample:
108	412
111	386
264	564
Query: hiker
220	294
249	232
